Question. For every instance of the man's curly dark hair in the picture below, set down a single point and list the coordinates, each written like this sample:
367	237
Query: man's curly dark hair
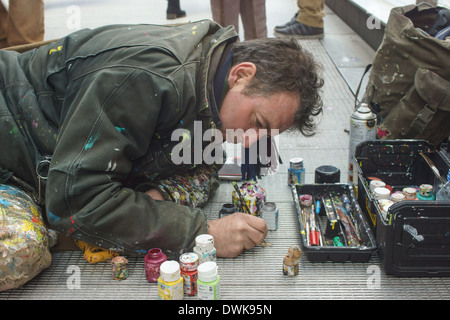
283	65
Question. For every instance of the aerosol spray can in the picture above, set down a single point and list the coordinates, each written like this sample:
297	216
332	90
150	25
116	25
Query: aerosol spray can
363	127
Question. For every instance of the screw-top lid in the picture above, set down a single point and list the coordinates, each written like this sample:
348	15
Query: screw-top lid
170	271
204	241
208	271
189	261
296	163
228	208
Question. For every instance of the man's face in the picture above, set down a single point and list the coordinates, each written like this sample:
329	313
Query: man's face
245	115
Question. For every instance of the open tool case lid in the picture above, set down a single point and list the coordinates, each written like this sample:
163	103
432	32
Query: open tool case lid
414	236
327	252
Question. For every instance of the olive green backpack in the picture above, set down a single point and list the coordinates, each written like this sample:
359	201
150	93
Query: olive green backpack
409	84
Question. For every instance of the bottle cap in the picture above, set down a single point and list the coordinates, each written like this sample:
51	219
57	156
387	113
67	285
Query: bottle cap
381	193
170	271
204	242
376	184
228	208
296	163
327	174
189	261
410	193
397	196
208	271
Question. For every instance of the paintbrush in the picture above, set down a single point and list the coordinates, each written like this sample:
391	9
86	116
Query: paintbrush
263	243
240	197
432	166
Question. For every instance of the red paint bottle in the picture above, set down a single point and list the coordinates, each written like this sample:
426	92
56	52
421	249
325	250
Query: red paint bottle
152	261
189	265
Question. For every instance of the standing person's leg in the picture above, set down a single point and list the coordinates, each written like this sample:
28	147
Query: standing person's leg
311	12
174	11
308	22
226	12
25	22
253	15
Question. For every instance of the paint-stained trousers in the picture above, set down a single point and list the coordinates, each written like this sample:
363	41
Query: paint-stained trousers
311	12
22	23
253	16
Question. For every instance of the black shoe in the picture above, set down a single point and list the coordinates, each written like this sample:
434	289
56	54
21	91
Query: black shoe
291	22
299	31
174	11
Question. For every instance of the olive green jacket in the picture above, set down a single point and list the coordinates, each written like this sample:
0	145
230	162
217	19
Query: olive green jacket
100	106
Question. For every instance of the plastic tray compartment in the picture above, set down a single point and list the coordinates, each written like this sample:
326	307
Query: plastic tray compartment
413	237
327	251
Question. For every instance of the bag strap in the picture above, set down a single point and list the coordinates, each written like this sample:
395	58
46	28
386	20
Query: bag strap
435	91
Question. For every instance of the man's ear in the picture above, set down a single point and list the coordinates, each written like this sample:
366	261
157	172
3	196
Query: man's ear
241	73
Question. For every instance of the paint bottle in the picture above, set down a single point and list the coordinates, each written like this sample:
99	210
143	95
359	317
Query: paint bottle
208	284
152	261
296	172
227	209
119	268
204	248
170	281
188	266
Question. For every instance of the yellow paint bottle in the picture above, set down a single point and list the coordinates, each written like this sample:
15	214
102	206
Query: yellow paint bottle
170	281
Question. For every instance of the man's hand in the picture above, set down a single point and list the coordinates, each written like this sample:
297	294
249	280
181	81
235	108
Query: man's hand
235	233
155	194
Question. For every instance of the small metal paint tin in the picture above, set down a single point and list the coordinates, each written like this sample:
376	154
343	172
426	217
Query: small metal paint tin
119	268
296	172
426	190
381	193
409	193
269	212
397	196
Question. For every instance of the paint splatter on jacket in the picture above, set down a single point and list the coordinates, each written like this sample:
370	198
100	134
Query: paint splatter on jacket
99	106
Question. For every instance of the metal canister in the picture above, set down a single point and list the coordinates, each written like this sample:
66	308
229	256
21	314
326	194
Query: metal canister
363	127
296	172
269	212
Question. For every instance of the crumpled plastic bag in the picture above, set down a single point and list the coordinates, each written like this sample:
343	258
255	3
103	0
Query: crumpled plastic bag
24	239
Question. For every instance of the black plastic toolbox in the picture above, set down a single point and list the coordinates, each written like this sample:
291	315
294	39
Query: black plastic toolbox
413	236
326	252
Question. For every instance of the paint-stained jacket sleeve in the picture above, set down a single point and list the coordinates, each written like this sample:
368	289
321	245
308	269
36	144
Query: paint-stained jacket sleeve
104	130
193	188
